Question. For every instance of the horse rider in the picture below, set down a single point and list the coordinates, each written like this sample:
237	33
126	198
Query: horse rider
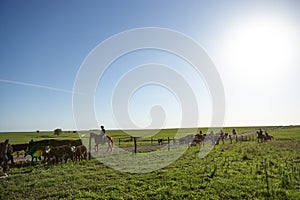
102	131
233	132
267	134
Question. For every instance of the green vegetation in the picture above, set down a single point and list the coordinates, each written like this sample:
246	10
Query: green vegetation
25	137
242	170
57	131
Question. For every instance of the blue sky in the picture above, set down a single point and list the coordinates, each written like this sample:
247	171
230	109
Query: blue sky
254	45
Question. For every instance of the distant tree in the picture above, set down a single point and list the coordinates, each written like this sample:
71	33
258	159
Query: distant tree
74	131
38	131
57	131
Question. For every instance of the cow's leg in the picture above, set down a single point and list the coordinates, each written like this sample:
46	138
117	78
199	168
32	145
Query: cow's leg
10	158
110	145
32	158
5	165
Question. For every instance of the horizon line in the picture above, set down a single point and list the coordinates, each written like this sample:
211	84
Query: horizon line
115	129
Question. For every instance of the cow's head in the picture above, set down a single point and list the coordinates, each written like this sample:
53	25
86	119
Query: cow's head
47	149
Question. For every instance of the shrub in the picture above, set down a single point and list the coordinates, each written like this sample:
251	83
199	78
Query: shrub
57	131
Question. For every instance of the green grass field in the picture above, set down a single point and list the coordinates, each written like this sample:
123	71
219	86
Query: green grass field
241	170
25	137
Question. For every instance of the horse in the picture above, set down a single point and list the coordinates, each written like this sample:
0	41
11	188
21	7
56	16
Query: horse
268	137
262	138
102	139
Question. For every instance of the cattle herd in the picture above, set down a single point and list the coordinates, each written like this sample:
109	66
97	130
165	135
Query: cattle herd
215	138
56	150
50	151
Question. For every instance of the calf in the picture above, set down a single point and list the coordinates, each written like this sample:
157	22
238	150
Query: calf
160	141
80	152
61	153
36	153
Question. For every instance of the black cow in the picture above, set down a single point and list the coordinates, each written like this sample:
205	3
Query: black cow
19	147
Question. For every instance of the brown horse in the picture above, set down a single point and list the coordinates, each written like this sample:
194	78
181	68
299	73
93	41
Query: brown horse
268	137
102	139
263	138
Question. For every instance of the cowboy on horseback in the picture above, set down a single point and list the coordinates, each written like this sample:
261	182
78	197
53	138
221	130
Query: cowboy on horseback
102	138
102	131
267	134
260	136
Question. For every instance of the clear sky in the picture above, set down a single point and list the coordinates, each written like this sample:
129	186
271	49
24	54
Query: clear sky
255	46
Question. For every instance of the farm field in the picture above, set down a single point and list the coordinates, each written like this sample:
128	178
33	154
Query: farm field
241	170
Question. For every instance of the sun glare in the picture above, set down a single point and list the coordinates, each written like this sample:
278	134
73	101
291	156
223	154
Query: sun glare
260	49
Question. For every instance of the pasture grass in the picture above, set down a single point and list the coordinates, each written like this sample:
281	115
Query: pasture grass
25	137
241	170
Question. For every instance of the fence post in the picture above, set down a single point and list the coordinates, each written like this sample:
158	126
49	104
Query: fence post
119	142
168	143
90	141
267	176
151	140
135	146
